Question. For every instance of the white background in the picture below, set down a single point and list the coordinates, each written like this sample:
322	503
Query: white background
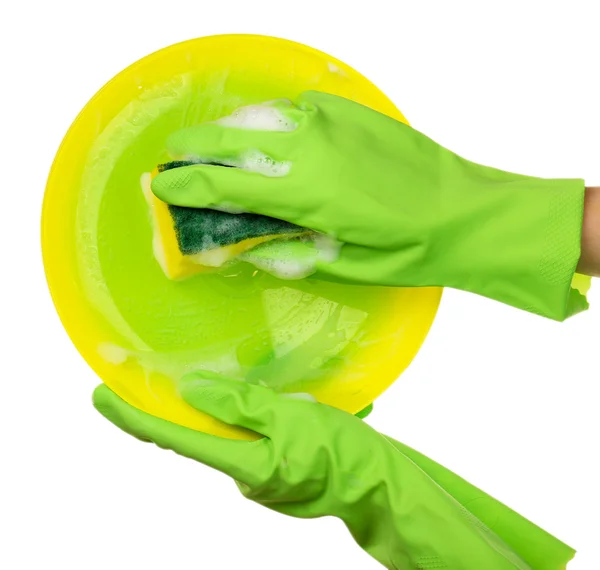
506	399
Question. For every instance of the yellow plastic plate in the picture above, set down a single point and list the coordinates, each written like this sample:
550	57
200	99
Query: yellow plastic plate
141	331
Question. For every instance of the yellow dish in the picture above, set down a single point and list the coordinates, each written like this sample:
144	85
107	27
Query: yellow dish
141	331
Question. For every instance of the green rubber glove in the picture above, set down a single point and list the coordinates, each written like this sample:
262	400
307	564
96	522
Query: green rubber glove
408	211
402	508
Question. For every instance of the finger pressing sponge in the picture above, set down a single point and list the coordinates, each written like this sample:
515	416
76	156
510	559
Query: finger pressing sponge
193	240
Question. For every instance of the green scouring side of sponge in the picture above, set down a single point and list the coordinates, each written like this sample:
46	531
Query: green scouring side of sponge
201	229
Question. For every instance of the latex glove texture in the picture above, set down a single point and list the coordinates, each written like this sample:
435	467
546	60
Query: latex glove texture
315	460
408	211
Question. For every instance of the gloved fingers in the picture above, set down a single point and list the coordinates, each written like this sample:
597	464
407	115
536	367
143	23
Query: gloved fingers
267	127
333	107
213	142
347	267
234	402
311	100
241	460
233	189
314	102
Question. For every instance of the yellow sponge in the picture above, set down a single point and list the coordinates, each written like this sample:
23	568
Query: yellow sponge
187	241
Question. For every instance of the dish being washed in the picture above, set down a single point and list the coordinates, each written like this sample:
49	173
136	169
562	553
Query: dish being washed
141	331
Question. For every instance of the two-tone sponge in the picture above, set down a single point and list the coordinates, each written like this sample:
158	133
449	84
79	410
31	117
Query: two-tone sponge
187	241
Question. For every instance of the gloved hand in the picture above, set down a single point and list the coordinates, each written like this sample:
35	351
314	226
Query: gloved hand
315	460
409	212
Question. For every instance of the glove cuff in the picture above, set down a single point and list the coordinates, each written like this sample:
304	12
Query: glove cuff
520	243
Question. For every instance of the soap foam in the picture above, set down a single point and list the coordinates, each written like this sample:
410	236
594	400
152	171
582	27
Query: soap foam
294	259
328	248
287	269
263	117
251	160
229	208
256	161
